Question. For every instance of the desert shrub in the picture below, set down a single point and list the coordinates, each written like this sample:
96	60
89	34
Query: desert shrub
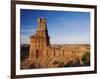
73	63
24	52
32	66
86	59
55	62
61	64
58	63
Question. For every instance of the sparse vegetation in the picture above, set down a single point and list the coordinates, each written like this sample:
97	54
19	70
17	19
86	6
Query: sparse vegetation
61	64
32	66
86	59
75	59
55	62
24	51
73	63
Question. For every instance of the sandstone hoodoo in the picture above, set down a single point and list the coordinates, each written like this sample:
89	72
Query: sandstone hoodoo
42	54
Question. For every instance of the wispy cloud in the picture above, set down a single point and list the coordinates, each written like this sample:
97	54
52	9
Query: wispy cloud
25	34
28	31
70	40
24	39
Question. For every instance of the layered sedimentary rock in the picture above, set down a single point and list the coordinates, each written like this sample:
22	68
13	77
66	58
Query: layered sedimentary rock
44	55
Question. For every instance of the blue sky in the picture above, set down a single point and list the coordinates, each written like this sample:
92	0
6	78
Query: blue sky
64	27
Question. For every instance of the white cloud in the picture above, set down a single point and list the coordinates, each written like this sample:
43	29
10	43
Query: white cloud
25	34
70	40
24	39
28	31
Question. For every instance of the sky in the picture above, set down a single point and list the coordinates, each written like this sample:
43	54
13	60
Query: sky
64	27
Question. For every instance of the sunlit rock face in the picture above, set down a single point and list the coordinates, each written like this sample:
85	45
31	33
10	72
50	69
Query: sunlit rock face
44	55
